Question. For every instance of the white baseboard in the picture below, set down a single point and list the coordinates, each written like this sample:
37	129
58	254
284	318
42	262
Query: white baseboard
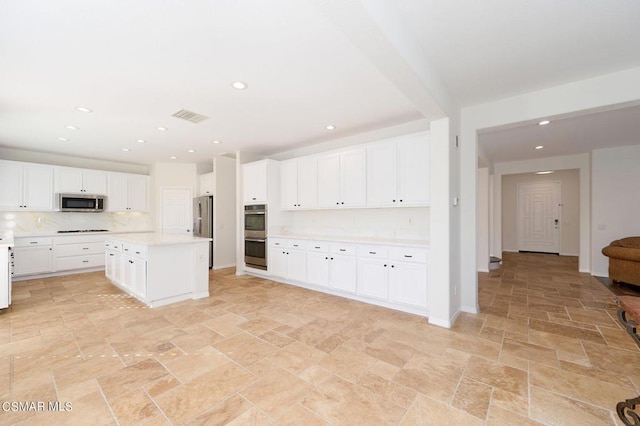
483	270
231	265
470	309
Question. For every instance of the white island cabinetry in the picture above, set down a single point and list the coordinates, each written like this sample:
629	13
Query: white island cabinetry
159	269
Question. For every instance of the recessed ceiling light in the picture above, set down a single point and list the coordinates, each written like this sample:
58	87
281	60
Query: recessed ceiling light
191	150
84	109
546	172
240	85
216	142
544	122
71	127
63	139
330	127
539	147
163	129
173	158
141	141
126	149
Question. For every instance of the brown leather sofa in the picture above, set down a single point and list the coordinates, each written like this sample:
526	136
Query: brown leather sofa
624	260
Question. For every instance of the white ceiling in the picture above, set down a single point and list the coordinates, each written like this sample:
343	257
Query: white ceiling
135	63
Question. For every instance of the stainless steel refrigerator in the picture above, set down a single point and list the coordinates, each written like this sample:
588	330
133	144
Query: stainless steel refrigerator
203	221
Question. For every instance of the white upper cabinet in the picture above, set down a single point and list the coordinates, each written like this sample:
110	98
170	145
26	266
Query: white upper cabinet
398	172
127	192
413	169
254	182
73	180
299	183
342	179
26	186
207	184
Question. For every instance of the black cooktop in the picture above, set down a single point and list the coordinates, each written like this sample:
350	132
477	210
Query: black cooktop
83	230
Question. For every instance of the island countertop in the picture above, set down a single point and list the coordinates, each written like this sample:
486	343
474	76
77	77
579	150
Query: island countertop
158	239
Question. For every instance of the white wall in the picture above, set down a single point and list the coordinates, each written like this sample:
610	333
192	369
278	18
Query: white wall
569	211
616	199
590	94
68	161
224	200
483	219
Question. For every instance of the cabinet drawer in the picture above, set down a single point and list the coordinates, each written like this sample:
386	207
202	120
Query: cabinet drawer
79	262
65	250
347	249
31	242
374	252
137	251
318	246
409	254
113	245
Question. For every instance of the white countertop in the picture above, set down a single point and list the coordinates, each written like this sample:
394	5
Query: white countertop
6	240
158	239
67	234
355	240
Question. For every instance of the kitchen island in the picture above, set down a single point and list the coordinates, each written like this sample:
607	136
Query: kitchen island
159	269
6	243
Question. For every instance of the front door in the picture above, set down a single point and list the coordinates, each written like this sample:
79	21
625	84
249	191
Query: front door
539	217
177	211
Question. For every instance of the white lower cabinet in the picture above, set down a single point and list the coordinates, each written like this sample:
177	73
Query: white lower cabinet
33	256
288	259
79	252
134	276
342	267
391	276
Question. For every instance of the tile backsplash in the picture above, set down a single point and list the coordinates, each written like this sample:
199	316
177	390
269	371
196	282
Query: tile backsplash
45	222
388	223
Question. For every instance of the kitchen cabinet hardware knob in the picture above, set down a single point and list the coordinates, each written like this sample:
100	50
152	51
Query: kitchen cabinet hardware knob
85	261
253	198
111	254
338	203
393	266
408	256
373	252
342	202
296	245
326	258
137	252
50	249
385	265
400	200
316	247
343	249
85	248
394	201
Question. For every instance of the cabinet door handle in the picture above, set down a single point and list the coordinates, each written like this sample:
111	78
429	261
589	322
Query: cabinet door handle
33	242
343	250
408	256
316	247
296	245
373	252
393	266
111	254
137	252
85	261
85	248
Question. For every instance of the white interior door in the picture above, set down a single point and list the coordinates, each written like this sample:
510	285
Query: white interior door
539	217
177	210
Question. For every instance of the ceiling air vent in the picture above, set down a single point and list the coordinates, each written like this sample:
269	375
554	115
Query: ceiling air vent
190	116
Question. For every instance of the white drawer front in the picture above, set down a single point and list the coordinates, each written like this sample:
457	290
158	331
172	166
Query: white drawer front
278	242
79	262
135	250
339	248
31	242
65	250
409	254
113	245
373	251
297	244
318	246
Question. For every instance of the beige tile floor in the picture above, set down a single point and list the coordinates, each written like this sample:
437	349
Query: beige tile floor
546	349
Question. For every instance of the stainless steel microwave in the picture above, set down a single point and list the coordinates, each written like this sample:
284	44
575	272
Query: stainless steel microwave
81	203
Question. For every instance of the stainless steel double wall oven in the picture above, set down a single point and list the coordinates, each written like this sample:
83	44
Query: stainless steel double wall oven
255	236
